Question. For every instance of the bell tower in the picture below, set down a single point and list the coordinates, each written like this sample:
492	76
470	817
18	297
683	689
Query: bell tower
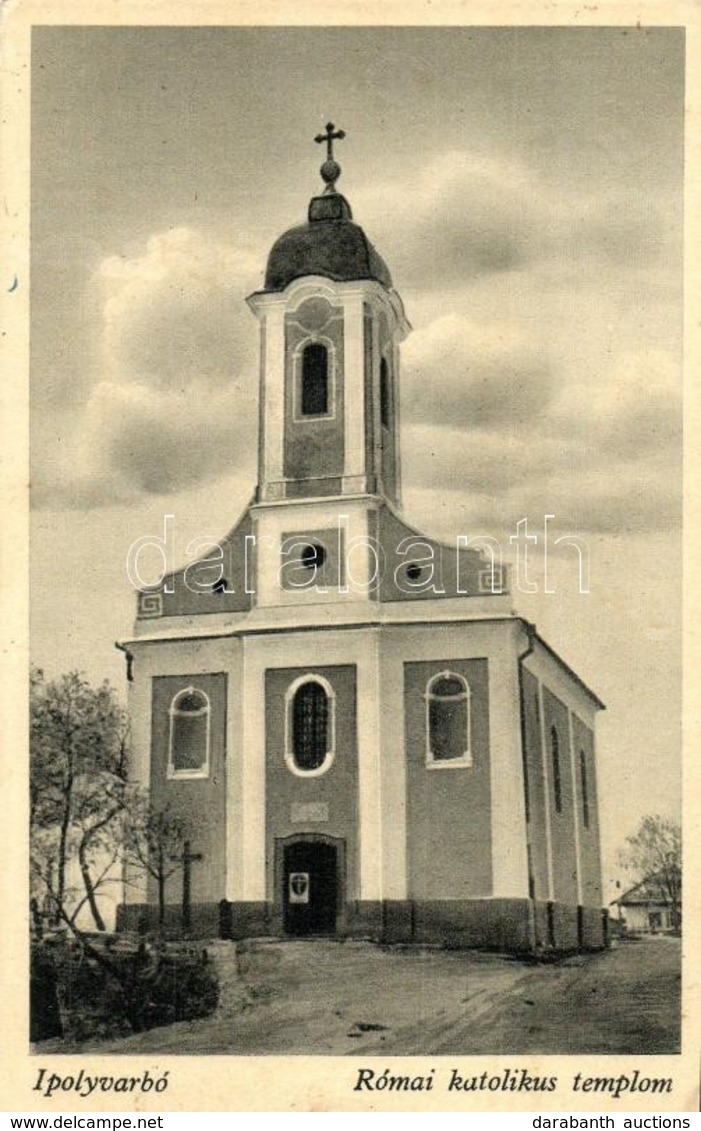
330	325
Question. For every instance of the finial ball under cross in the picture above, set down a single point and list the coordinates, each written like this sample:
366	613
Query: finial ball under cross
330	170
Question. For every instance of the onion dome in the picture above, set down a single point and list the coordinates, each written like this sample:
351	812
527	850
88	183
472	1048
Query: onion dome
329	244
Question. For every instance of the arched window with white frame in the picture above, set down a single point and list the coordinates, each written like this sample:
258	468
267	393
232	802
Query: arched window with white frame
314	392
310	726
190	721
448	721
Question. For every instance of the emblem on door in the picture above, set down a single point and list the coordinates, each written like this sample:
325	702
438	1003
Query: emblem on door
299	887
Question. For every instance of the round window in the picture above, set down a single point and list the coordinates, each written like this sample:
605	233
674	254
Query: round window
313	556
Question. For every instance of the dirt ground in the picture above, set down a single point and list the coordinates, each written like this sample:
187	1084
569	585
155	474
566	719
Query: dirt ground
324	997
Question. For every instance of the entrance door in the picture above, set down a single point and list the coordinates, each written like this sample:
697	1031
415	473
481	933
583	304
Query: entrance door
310	888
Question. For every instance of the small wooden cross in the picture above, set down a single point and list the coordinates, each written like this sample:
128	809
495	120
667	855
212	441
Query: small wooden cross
186	859
331	135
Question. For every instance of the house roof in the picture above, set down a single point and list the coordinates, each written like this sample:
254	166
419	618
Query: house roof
649	890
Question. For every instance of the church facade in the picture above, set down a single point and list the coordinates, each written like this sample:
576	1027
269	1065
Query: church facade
360	735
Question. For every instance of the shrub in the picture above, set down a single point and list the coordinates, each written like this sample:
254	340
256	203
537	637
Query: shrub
109	986
44	1011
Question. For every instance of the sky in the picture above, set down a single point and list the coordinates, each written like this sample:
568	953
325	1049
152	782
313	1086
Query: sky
524	186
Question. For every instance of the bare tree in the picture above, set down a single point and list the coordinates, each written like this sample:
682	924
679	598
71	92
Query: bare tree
78	783
154	841
654	855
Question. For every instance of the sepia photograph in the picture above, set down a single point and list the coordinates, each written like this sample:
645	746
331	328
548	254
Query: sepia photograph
355	711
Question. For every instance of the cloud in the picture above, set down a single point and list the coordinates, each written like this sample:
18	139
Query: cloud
172	318
60	266
603	458
629	232
618	500
464	217
174	389
542	359
475	462
554	385
481	375
467	217
635	414
159	442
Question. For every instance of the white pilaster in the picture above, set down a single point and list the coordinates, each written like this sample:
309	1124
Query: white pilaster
235	808
273	385
140	709
393	778
509	853
369	778
250	885
354	384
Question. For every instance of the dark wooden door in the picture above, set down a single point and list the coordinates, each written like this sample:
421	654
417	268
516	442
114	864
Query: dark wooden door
310	888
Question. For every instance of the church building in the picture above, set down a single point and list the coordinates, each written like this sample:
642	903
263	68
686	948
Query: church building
361	736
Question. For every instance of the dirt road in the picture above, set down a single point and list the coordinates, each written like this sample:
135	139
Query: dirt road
333	998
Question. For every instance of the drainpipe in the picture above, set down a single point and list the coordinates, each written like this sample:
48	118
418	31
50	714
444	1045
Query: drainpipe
129	657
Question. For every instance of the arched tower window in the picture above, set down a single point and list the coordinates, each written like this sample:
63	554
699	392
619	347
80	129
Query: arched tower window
557	777
384	393
448	721
189	734
315	380
310	738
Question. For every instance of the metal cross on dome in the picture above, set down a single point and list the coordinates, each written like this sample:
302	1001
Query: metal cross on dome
331	135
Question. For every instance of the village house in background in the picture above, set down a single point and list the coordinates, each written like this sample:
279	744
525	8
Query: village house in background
362	735
649	908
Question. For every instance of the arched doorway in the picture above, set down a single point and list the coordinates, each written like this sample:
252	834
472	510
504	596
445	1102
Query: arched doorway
310	877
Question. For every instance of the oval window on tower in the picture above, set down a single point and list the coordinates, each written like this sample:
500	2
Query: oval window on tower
313	556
